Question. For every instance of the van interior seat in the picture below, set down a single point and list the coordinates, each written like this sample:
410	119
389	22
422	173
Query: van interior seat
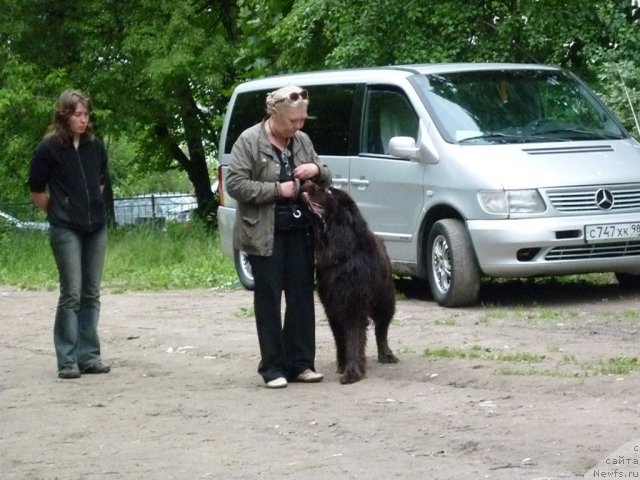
396	120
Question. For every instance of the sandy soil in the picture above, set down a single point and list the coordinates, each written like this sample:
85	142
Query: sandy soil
184	401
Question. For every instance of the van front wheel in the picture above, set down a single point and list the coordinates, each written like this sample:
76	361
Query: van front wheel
243	269
454	275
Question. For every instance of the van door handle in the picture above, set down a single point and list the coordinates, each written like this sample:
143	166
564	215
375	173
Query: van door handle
360	183
338	182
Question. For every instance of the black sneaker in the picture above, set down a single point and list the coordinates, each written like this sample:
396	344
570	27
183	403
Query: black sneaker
69	372
98	367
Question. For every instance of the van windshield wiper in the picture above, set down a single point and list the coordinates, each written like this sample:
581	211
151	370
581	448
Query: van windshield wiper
577	133
498	137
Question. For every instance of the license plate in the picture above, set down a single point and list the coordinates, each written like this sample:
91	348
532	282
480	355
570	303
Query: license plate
612	232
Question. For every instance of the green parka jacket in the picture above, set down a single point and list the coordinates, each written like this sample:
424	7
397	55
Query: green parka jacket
252	181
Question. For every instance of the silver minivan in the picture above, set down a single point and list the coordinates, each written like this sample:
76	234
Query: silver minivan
467	170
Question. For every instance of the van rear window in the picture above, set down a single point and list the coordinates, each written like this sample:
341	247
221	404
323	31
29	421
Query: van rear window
328	123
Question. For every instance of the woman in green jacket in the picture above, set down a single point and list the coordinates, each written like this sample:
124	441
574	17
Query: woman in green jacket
268	163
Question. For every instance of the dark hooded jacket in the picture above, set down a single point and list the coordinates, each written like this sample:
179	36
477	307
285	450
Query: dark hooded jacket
74	179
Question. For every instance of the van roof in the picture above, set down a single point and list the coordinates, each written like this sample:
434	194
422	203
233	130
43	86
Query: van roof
384	73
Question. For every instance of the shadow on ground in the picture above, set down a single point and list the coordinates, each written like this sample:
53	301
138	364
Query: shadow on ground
547	291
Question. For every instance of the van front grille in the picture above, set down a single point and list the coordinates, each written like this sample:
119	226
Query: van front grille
595	198
600	250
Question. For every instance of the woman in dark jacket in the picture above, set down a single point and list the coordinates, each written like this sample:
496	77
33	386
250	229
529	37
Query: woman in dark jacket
67	177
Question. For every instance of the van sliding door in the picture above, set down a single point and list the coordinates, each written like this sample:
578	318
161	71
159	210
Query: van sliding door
388	190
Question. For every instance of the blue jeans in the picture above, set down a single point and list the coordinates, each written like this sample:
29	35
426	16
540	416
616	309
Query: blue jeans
80	260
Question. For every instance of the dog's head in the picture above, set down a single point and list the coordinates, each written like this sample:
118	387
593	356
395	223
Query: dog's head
329	204
323	202
315	198
339	226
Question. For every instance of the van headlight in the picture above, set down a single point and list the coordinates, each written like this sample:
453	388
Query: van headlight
511	201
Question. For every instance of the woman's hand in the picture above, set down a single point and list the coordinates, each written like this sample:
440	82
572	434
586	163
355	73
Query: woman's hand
306	171
288	189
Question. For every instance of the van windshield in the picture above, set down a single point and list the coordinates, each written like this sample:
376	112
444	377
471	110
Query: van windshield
516	106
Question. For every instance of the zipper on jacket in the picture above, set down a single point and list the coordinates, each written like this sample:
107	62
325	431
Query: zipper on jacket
86	188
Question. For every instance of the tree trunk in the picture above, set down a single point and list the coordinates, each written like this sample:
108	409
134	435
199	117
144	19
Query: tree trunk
195	164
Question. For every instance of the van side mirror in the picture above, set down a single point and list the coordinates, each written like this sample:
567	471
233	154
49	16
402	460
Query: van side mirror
403	147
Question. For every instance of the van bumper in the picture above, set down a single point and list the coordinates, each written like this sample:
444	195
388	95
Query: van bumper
551	246
226	219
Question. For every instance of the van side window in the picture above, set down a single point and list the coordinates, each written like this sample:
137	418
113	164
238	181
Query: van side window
328	123
329	120
388	114
248	109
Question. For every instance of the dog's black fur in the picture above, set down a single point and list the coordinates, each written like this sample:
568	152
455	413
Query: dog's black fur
354	280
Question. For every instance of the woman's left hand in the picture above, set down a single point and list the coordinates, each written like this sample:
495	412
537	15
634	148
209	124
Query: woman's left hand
306	171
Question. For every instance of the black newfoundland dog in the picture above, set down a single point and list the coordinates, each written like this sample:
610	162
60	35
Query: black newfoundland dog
353	278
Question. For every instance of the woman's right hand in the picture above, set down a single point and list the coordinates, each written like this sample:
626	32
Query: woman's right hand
289	189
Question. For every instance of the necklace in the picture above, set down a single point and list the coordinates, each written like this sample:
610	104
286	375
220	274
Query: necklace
279	143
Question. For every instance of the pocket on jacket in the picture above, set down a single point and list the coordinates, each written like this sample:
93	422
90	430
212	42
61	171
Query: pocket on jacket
248	225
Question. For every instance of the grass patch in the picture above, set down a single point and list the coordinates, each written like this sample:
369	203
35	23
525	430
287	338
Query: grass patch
571	367
535	372
26	260
567	366
244	312
181	256
477	352
616	366
447	321
537	315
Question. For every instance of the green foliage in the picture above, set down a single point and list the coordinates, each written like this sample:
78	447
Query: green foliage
256	54
25	111
593	39
129	178
160	72
619	84
154	69
184	255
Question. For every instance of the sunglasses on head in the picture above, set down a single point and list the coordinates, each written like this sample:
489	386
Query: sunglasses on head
295	96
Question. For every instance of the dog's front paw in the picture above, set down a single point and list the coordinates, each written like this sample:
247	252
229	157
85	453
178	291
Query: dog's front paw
351	375
387	357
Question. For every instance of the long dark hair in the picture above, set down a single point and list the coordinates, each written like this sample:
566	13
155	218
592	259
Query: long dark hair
65	107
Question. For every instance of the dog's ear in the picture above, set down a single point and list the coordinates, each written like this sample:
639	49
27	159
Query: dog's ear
343	198
348	204
307	186
340	195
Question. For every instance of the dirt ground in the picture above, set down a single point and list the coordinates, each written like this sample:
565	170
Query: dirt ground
523	394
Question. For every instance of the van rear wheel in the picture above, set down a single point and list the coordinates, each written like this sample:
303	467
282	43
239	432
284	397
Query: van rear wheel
243	269
454	275
628	280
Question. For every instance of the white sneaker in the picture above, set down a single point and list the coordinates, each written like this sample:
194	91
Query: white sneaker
309	376
279	382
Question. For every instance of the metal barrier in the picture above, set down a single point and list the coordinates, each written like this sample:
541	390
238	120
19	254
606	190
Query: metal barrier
151	209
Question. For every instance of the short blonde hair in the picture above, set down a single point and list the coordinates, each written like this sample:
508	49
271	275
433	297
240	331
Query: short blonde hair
291	95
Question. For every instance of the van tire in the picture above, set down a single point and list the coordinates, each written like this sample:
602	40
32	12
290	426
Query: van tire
628	280
454	275
243	269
